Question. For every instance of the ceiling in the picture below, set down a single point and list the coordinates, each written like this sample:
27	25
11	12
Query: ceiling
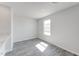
36	10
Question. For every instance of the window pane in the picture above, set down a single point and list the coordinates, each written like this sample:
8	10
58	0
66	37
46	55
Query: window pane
47	24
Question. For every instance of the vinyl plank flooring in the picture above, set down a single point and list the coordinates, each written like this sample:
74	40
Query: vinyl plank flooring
28	48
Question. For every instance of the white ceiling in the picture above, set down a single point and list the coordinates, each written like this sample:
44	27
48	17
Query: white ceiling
37	10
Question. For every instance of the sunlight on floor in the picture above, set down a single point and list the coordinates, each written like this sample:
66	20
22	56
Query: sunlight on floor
41	46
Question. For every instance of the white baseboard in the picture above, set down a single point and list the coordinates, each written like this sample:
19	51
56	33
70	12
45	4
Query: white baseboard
25	39
60	46
7	51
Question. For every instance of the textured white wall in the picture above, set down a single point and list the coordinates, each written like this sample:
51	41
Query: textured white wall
23	28
65	29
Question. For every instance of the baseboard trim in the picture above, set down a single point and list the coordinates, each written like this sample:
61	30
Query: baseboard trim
75	54
7	51
25	39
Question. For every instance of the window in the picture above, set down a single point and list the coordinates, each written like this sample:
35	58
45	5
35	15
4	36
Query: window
47	25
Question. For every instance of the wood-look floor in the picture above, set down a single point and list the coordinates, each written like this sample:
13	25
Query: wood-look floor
27	48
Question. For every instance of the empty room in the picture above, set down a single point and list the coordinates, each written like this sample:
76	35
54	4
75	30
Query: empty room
39	28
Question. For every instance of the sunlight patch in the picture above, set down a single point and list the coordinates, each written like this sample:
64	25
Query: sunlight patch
41	46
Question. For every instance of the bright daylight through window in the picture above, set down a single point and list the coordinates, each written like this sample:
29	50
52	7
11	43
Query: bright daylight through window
47	27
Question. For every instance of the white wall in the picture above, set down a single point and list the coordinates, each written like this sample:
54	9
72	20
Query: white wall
23	28
5	20
5	29
65	29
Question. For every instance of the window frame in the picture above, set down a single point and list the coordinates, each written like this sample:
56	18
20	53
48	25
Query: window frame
48	30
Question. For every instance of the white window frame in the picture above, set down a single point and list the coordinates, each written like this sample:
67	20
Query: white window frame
47	27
